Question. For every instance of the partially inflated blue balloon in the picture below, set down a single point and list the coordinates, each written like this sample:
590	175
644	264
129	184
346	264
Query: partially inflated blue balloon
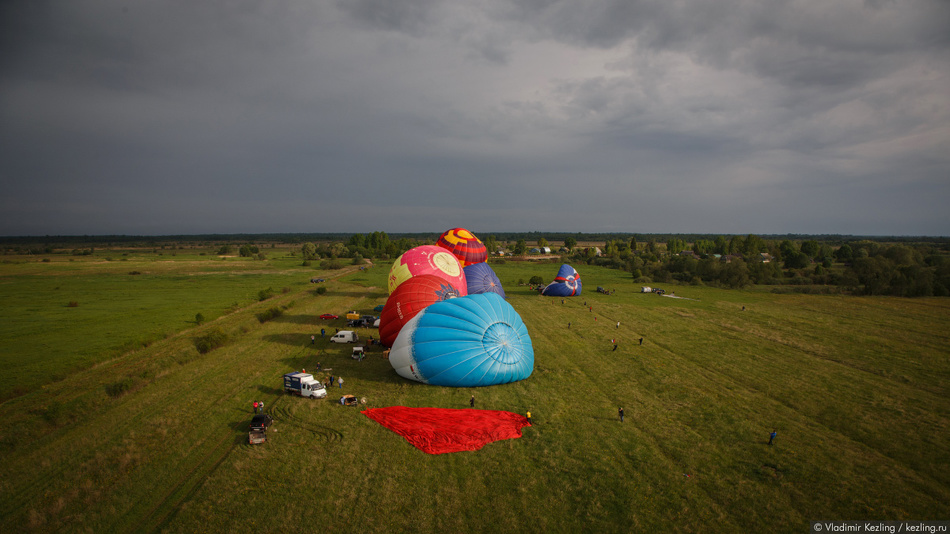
567	283
481	278
472	341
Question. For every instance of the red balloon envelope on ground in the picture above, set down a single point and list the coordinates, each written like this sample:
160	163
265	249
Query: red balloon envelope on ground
442	430
464	245
410	298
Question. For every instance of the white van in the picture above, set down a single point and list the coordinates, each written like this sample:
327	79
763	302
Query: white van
345	336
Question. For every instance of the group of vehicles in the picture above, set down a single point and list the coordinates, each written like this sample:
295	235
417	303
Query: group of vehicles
305	385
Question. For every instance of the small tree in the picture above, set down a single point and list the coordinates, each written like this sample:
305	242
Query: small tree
199	318
309	251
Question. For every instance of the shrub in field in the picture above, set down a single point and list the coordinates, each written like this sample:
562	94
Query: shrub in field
331	264
73	304
210	341
536	280
199	318
265	294
56	413
267	315
117	388
321	290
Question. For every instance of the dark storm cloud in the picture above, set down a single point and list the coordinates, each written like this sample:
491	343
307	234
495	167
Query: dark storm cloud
727	116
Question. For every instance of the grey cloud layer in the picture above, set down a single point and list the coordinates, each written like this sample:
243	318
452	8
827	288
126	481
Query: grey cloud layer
726	116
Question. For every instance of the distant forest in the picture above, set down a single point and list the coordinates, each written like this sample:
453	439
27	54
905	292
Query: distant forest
907	266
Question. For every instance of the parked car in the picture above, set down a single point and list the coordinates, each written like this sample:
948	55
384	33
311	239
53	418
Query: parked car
329	316
261	421
317	280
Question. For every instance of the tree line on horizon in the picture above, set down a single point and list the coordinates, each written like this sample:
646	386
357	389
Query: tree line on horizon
900	266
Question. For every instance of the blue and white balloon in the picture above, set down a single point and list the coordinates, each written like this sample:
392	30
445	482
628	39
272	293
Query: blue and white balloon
567	283
471	341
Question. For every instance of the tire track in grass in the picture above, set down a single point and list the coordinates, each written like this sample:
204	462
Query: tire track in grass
162	514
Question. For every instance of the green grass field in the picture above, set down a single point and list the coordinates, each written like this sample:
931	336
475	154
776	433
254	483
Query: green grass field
857	388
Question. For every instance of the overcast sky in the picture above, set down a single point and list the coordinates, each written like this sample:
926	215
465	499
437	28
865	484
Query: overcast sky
680	116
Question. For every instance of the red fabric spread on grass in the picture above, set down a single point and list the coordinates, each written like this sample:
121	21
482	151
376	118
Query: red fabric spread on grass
441	430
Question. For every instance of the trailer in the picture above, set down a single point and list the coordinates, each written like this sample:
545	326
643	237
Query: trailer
256	437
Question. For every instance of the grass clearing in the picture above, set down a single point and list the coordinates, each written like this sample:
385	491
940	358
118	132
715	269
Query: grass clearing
855	386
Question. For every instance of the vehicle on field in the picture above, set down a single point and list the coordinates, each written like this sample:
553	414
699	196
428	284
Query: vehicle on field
379	308
329	316
358	353
317	280
352	315
305	385
260	422
348	400
345	336
256	437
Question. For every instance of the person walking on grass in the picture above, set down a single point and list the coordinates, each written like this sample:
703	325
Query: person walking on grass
529	417
641	341
772	436
614	341
339	380
471	402
313	339
620	412
255	406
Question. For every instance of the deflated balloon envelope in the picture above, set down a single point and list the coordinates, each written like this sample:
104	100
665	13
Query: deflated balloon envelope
464	245
477	340
428	259
481	278
567	283
410	298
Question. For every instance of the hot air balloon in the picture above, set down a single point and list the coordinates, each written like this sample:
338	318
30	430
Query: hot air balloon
472	341
411	297
481	278
567	283
463	245
428	259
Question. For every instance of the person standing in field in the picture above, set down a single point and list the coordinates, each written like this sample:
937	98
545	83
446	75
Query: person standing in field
641	341
313	339
614	341
260	407
529	417
621	413
772	436
255	406
618	324
339	380
471	402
